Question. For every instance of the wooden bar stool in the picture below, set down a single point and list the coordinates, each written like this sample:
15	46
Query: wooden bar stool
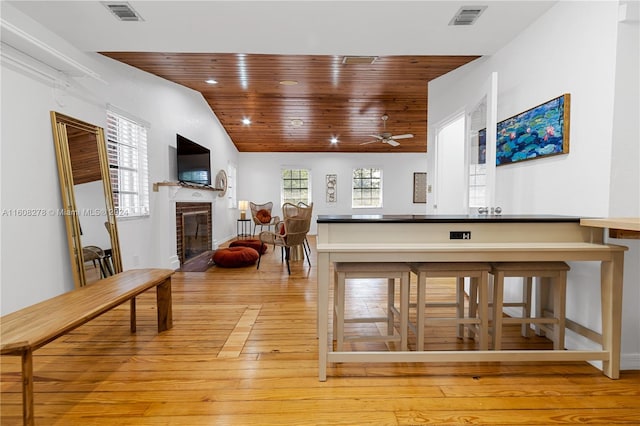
555	273
525	304
344	271
478	272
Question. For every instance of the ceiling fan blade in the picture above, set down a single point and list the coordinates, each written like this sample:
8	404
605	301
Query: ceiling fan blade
405	136
367	143
379	137
392	142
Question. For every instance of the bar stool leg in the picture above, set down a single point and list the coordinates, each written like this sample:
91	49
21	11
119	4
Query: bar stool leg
559	303
483	313
526	308
460	305
335	304
473	303
498	294
340	312
422	283
391	287
404	311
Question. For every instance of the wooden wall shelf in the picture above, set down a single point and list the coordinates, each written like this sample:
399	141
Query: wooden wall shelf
157	185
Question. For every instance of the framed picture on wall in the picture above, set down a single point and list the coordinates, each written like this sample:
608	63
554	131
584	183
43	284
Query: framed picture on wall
419	188
332	188
539	132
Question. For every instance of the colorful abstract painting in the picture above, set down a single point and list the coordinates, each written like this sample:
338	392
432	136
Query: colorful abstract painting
539	132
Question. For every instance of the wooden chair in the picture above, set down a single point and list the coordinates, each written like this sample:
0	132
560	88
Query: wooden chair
391	271
553	273
477	321
261	215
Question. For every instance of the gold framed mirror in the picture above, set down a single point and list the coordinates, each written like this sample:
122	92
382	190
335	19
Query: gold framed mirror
87	201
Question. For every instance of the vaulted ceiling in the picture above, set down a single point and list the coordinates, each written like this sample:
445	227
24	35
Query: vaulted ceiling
299	102
255	50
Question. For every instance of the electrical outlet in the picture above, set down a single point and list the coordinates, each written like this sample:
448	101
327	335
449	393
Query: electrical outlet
460	235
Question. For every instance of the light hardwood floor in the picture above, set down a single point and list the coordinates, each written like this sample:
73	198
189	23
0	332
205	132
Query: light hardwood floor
243	351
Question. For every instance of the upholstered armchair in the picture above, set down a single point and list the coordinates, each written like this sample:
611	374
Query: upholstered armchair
290	233
261	214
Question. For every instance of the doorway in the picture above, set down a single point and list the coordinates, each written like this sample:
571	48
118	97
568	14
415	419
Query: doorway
450	180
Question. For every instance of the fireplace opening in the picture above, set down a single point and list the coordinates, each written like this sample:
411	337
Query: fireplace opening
193	230
194	234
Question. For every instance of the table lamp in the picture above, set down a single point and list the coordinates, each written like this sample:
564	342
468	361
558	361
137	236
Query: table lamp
243	206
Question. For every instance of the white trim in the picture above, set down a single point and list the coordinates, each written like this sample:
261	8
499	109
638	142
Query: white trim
45	48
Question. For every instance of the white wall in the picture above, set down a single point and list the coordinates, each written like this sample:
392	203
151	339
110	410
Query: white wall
625	173
555	55
259	180
35	262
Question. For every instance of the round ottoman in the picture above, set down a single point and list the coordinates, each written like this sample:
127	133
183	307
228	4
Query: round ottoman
235	257
257	245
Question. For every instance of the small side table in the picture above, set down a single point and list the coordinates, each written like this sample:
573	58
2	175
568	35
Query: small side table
243	227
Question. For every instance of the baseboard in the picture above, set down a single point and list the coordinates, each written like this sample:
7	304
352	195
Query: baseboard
630	361
513	312
174	262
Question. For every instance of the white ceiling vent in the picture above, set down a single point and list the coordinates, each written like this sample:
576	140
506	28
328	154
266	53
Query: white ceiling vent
467	15
122	10
359	60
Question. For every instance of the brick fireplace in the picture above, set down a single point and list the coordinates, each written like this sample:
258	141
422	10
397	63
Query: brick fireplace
194	230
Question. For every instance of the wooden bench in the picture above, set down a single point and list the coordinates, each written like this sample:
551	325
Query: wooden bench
25	330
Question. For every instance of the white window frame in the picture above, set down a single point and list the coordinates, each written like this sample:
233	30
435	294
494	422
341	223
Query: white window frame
128	163
294	200
356	203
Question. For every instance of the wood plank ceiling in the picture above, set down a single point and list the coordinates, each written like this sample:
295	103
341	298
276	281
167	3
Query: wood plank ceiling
329	99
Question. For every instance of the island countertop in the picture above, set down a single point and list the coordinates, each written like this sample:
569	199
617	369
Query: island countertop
619	227
377	218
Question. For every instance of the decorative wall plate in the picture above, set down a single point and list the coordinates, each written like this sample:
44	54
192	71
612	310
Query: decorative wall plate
221	183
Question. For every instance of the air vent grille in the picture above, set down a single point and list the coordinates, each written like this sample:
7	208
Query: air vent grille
123	11
359	60
467	15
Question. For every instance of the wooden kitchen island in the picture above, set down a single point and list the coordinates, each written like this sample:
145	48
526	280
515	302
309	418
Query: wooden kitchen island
500	238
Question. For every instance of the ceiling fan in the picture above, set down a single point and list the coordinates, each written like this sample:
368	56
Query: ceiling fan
387	137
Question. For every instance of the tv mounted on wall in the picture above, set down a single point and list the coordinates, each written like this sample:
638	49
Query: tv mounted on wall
194	162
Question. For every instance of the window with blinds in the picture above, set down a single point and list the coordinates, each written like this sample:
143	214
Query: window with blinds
127	152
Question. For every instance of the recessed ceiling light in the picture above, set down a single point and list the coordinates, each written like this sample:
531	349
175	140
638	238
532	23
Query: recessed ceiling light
246	121
296	122
211	81
288	82
334	139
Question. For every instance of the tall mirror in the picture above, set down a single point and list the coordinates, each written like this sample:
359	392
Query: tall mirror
87	200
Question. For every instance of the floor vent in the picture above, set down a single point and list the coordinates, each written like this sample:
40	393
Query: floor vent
123	11
467	15
359	60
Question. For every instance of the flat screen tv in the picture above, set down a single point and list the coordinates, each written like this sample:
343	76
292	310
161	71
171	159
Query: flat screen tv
194	162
